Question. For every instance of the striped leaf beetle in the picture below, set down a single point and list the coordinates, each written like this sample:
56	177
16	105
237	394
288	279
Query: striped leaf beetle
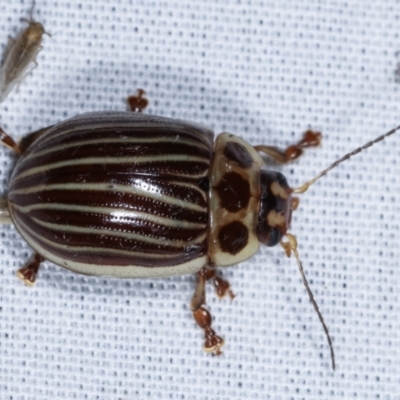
130	195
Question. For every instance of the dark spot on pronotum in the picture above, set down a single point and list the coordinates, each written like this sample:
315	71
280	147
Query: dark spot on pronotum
233	237
237	153
233	191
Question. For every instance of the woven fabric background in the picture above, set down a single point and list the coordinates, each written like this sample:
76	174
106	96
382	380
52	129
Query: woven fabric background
266	71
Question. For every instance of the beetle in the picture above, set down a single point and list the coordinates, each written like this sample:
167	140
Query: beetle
130	195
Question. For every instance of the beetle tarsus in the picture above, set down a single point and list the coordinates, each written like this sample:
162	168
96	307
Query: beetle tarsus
212	343
29	272
293	152
138	102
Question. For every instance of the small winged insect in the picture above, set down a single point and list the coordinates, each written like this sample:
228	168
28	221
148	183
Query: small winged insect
21	52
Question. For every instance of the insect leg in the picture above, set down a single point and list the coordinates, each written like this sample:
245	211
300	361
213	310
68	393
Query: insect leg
138	102
202	316
222	287
29	272
310	139
24	143
4	214
9	142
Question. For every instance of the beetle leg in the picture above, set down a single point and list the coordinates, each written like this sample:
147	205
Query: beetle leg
310	139
9	142
222	287
138	102
199	295
24	143
4	213
29	272
202	316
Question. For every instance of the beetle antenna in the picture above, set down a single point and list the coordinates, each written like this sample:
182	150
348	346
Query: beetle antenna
289	247
305	186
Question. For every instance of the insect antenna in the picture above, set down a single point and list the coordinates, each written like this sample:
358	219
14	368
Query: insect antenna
305	186
289	247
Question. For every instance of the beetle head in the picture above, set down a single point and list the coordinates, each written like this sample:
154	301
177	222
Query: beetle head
276	206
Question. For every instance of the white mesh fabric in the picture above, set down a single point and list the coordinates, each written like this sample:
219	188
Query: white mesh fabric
266	71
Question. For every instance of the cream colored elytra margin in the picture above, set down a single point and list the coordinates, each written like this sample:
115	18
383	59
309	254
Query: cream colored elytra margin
130	271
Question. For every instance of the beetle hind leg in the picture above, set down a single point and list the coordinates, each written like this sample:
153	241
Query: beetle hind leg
28	272
293	152
212	343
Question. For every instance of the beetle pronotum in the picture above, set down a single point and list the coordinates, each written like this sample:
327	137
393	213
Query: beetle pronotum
128	195
19	55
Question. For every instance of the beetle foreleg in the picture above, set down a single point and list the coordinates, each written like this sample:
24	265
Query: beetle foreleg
29	272
138	102
310	139
202	316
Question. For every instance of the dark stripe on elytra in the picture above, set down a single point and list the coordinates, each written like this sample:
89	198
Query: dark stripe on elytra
115	150
123	224
63	135
135	126
117	200
156	169
165	187
106	240
115	260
